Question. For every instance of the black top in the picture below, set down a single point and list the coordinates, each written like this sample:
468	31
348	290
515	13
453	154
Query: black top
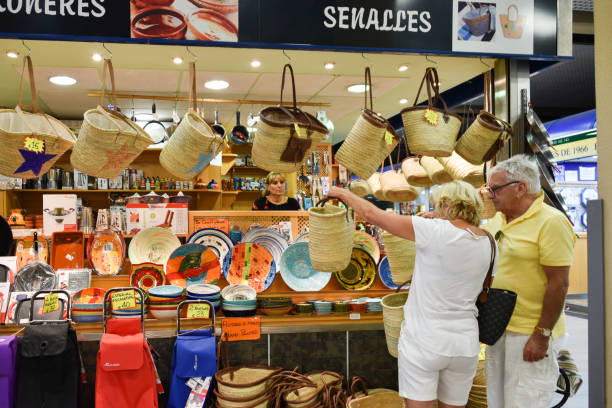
262	203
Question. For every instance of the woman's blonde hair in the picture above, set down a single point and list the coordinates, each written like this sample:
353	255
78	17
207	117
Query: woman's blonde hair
270	178
458	199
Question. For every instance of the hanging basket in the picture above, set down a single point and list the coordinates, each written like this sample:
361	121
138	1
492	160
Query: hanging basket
393	316
31	142
488	208
395	187
193	144
401	253
374	183
285	135
431	131
108	142
360	187
436	172
330	240
415	173
370	140
461	169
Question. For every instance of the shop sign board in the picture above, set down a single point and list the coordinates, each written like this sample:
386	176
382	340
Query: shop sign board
575	146
506	27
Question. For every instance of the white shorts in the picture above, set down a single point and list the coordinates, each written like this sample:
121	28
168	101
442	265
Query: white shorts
426	376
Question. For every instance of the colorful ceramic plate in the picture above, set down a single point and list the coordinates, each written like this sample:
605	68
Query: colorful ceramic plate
360	273
303	237
270	239
297	271
106	251
251	264
192	263
215	239
384	273
153	245
147	275
368	243
94	296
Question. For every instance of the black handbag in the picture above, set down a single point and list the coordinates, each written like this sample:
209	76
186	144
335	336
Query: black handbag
495	306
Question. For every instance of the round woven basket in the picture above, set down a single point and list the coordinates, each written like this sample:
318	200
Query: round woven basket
330	240
374	183
389	399
482	136
244	382
461	169
32	142
260	400
401	254
415	173
436	172
393	316
488	208
360	187
395	187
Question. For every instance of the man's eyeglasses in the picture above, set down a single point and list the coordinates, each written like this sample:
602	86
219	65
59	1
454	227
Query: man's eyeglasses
495	189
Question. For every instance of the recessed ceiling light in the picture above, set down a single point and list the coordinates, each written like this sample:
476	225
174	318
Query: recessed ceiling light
216	84
256	63
402	68
329	65
177	60
62	80
403	101
12	54
358	88
96	57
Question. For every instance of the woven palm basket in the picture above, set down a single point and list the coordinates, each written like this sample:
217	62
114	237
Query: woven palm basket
461	169
330	240
436	172
483	134
243	382
393	316
390	399
415	173
488	208
401	254
360	187
395	187
374	183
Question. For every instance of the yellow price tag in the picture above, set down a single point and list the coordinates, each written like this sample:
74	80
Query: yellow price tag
297	129
34	145
125	299
388	137
198	310
482	355
51	303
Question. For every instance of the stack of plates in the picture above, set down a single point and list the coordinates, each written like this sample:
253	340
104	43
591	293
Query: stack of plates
216	240
374	305
152	245
358	306
88	305
238	301
303	308
323	306
203	291
270	239
341	307
274	305
163	301
297	270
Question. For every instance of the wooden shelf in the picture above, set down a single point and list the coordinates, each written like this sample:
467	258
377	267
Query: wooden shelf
24	190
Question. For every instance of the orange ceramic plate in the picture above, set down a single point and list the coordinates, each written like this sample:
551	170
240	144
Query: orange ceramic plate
190	264
251	265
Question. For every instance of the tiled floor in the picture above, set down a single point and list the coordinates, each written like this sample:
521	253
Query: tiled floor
577	345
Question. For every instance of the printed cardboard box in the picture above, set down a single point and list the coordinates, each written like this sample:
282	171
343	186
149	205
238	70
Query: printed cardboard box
59	213
173	216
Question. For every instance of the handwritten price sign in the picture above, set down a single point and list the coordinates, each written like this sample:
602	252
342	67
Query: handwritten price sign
241	328
198	310
51	303
123	300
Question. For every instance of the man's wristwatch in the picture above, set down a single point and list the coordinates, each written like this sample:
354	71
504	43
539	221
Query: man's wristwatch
544	332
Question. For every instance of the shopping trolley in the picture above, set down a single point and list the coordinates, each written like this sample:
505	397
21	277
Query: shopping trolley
194	356
125	372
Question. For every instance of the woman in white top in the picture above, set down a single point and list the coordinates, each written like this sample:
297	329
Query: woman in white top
438	347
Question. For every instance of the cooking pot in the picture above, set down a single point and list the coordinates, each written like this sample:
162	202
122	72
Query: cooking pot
240	134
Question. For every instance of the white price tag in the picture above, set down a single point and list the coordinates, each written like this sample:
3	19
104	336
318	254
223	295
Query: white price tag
355	316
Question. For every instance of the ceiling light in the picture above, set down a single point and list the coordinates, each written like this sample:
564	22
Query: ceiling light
12	54
329	65
216	84
62	80
403	101
177	60
256	63
358	88
96	57
402	68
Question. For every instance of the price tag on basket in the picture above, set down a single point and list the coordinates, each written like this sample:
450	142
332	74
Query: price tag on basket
124	299
198	310
388	137
241	328
51	303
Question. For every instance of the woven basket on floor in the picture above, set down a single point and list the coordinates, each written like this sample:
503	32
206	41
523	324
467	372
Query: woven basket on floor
249	381
488	208
415	173
370	140
401	253
31	142
486	135
436	172
393	316
193	144
461	169
374	183
431	131
389	399
108	142
330	240
281	127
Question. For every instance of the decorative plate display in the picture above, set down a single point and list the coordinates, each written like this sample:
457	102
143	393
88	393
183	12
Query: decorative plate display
297	271
303	237
216	240
192	263
270	239
368	243
106	251
384	273
360	273
588	194
153	245
251	264
147	275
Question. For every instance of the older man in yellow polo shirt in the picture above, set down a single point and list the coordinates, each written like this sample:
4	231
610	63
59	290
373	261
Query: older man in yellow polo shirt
536	243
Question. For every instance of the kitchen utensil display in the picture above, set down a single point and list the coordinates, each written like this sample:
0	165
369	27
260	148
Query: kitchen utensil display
360	274
190	264
218	128
67	250
251	264
106	251
240	134
297	271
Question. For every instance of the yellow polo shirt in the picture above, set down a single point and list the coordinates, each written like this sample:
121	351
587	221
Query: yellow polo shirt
542	236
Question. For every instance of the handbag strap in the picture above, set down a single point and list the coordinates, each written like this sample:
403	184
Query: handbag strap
488	99
192	89
288	66
108	66
432	82
368	90
27	61
486	285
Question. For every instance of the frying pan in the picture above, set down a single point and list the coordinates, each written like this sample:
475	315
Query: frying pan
217	128
240	134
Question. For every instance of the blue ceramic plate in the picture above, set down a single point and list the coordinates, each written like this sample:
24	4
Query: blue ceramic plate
384	272
297	271
216	240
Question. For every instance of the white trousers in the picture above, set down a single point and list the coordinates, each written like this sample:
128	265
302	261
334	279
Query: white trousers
515	383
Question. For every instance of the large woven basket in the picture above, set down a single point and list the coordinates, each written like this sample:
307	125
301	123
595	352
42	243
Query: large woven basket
360	187
401	253
374	183
395	187
393	316
415	173
193	144
330	240
108	142
487	133
31	142
431	131
309	396
276	128
244	382
436	172
370	140
461	169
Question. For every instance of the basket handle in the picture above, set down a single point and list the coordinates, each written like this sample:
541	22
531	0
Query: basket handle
326	199
27	61
488	103
368	90
292	85
192	89
108	66
513	6
399	287
432	84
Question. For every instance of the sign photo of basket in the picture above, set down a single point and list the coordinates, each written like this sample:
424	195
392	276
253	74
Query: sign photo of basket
478	20
512	26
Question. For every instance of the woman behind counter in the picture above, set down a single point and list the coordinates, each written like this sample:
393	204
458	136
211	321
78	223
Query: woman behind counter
274	198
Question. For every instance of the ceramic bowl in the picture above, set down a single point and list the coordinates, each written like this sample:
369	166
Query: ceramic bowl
164	314
238	292
166	291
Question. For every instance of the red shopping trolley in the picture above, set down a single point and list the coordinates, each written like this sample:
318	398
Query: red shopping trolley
125	373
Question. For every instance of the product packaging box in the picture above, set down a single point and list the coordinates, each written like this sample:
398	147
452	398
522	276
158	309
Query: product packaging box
173	216
8	269
59	213
4	299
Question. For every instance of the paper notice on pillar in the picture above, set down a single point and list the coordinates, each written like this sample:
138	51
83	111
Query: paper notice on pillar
495	26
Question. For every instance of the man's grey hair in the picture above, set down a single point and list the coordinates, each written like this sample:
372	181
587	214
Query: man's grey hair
520	168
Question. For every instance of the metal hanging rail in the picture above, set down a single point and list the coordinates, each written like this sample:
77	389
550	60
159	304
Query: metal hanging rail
203	100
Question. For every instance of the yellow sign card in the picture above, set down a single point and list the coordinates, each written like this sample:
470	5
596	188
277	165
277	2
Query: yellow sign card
198	310
51	303
123	300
